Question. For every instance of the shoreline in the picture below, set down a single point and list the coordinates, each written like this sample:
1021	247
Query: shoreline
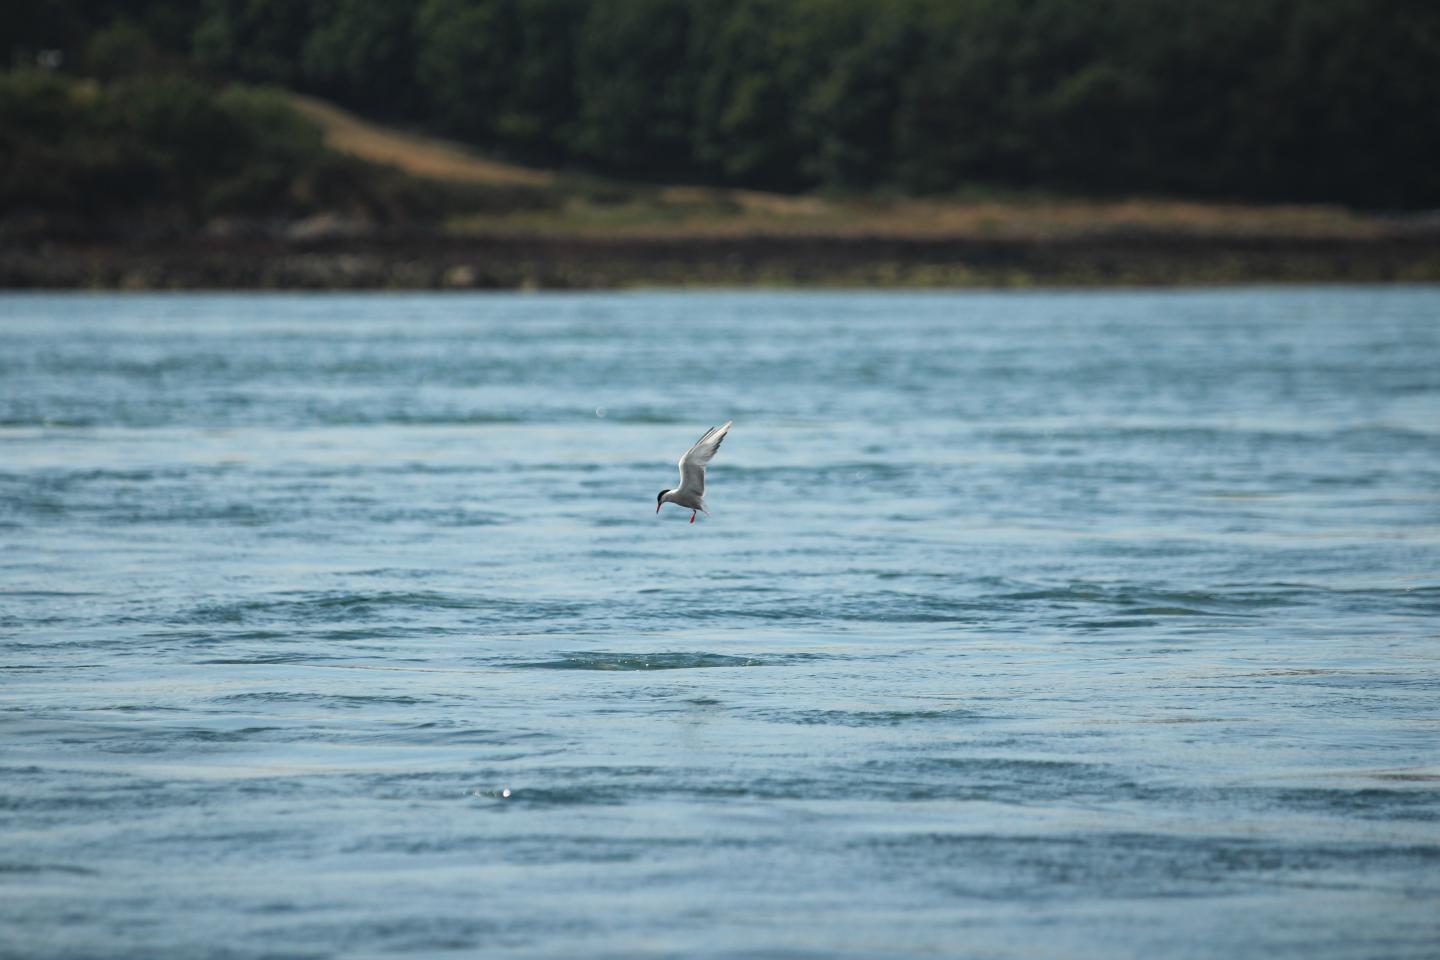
433	261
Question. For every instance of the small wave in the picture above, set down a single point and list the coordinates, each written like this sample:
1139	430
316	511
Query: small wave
638	661
332	701
42	667
869	718
38	868
1000	779
342	606
262	660
207	735
133	708
1169	612
647	419
437	419
1133	598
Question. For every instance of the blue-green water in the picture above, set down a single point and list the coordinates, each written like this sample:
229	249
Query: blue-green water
1026	625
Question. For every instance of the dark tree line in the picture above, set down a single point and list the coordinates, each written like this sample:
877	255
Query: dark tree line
1326	100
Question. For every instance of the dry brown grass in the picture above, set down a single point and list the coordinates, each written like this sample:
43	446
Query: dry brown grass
699	213
421	156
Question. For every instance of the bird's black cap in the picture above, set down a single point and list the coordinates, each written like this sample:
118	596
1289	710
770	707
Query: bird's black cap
661	494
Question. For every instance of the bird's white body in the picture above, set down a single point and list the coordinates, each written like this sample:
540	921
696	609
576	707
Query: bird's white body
691	492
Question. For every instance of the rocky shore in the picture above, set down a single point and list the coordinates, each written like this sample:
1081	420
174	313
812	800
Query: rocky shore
419	261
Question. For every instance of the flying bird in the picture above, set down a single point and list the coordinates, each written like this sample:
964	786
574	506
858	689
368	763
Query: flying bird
691	492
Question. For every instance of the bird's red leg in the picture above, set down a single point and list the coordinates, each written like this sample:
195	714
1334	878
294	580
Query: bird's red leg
692	516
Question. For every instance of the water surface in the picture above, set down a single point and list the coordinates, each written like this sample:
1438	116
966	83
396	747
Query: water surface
1026	625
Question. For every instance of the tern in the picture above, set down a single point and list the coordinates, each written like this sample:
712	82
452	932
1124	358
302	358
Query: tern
691	492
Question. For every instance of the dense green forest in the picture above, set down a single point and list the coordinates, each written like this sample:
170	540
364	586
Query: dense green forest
1296	100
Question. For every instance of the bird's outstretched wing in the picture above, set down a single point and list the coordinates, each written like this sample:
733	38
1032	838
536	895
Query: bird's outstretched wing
692	465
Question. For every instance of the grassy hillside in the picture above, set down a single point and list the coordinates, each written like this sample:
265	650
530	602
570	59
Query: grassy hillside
569	205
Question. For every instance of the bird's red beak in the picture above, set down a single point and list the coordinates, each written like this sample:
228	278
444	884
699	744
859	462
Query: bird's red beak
658	506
